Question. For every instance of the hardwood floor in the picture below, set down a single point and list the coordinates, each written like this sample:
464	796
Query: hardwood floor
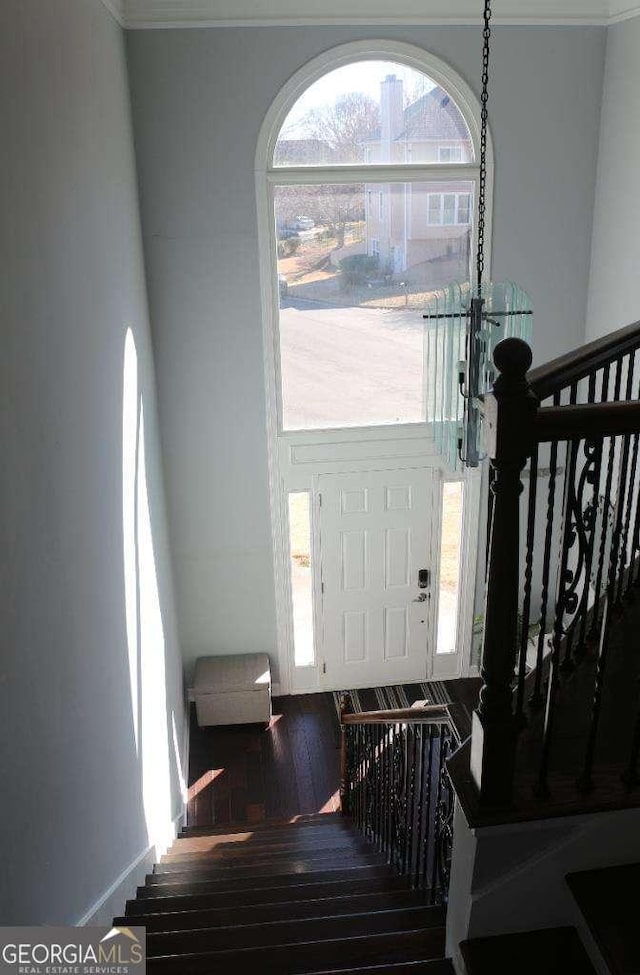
249	773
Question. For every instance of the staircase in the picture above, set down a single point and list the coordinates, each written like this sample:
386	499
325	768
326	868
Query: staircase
606	922
331	894
555	746
297	898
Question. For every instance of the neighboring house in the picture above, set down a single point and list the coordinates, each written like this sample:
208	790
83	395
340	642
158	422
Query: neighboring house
410	225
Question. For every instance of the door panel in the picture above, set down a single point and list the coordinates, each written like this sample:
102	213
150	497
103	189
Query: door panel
375	537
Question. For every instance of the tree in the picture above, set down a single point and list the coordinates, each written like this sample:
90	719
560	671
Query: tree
345	126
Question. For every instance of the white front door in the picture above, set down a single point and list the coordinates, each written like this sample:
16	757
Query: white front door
375	573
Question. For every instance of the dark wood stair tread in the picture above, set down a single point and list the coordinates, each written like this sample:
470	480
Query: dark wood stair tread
309	957
320	928
608	900
435	966
311	821
266	863
166	884
285	910
552	951
307	888
224	847
180	872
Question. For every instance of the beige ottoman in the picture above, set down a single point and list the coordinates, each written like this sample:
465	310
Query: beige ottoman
232	689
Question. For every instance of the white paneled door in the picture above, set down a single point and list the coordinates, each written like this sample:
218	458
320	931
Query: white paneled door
375	577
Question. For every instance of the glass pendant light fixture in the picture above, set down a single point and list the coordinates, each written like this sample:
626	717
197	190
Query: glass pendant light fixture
463	324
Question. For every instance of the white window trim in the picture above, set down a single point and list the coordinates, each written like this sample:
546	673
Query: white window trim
266	177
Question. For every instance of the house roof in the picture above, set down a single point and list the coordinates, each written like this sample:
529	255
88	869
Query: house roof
434	116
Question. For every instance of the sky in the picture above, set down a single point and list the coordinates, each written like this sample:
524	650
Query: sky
364	77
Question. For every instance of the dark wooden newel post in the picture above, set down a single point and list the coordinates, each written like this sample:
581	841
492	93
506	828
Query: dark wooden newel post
509	412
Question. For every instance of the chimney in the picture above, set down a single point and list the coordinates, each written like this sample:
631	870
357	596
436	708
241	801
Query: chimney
391	113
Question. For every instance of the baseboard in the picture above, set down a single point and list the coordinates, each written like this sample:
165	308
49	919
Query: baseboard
111	903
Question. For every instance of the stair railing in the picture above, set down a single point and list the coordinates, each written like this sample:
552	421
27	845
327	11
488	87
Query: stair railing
563	446
395	786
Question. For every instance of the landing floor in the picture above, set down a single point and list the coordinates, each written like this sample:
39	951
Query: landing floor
249	773
246	773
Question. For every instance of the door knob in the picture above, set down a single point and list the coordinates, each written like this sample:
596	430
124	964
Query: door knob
421	597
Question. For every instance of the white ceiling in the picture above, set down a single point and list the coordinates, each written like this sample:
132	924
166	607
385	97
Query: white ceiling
196	13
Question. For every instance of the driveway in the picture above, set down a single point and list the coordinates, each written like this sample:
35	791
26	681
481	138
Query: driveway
350	366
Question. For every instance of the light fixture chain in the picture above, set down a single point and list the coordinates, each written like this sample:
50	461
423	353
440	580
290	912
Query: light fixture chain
484	116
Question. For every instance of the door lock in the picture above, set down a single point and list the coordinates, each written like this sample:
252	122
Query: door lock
424	578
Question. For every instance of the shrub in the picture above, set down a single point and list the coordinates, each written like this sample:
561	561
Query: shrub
357	268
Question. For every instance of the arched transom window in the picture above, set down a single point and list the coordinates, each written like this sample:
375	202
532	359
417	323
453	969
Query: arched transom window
372	174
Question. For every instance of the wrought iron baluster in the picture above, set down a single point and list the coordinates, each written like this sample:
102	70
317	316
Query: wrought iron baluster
379	731
536	699
412	743
585	780
359	776
567	597
385	793
396	766
445	813
436	820
491	476
363	770
630	486
635	538
528	576
420	785
590	517
593	631
587	524
542	786
427	833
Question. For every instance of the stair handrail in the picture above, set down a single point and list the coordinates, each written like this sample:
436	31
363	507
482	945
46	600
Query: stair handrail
571	367
425	714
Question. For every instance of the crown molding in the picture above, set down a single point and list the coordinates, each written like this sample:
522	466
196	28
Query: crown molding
117	10
620	10
141	14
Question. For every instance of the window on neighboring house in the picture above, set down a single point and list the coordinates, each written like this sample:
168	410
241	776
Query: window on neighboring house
464	208
449	154
375	247
449	209
434	208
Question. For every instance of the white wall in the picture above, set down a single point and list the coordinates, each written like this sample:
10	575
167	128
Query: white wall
615	256
81	798
512	878
199	98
